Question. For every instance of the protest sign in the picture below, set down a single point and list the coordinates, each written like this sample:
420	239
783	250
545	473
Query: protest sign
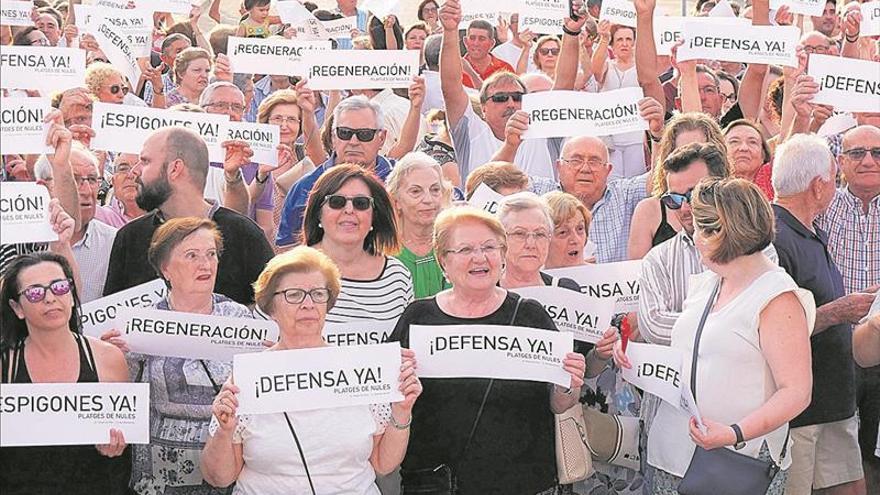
43	68
577	113
120	52
307	26
151	6
491	351
193	336
870	19
621	12
543	16
485	10
846	83
275	56
722	9
668	29
124	128
317	378
618	281
806	7
737	42
262	138
16	13
485	198
34	414
837	124
585	316
134	25
381	8
22	127
24	213
340	28
359	332
99	316
655	369
361	69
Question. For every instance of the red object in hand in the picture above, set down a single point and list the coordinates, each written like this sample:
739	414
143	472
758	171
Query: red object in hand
625	332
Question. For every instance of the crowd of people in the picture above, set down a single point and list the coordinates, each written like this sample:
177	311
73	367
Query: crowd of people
753	212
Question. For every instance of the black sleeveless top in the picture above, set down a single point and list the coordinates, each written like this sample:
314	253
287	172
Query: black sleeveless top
664	231
69	469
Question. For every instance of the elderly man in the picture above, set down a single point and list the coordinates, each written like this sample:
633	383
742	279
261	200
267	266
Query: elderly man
171	176
358	135
825	452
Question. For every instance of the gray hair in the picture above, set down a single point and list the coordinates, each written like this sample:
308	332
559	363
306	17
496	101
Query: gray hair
798	161
42	168
432	51
522	201
355	103
412	161
208	92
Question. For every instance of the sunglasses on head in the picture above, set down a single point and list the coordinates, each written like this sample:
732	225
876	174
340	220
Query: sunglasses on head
116	88
363	135
504	96
338	202
36	293
674	201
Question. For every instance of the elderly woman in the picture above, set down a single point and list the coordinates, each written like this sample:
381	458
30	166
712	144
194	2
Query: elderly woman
505	178
297	289
419	193
349	217
749	154
544	57
41	341
106	83
471	248
192	68
571	221
753	350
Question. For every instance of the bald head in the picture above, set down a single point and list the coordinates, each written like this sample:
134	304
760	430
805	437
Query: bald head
860	161
536	82
186	145
592	144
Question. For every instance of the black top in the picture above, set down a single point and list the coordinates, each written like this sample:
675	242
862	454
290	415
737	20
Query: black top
245	253
664	231
74	469
805	257
512	451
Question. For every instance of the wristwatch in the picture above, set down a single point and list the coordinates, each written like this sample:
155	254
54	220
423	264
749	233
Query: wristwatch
740	441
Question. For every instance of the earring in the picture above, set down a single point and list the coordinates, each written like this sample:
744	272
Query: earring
320	226
371	228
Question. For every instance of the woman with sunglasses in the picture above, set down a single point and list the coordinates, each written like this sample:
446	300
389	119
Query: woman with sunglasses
106	83
545	56
41	341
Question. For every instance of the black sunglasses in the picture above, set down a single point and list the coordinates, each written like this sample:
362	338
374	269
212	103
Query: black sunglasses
859	154
116	88
363	135
36	293
504	96
548	51
338	202
674	201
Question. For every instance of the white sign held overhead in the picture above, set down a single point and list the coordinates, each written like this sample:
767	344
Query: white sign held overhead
24	213
668	29
119	51
621	12
274	56
846	83
485	10
22	127
381	8
618	281
543	16
99	316
317	378
722	9
739	43
360	332
812	8
361	69
45	414
307	26
491	351
43	68
870	19
16	13
340	28
262	138
485	198
135	26
584	316
576	113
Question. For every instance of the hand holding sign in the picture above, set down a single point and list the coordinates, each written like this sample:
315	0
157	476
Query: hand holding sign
62	224
516	126
605	347
59	138
238	154
716	434
654	113
852	23
225	406
410	386
575	365
115	447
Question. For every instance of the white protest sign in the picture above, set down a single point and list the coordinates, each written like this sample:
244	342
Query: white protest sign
577	113
361	69
491	351
870	19
193	336
360	332
16	13
381	8
618	281
485	10
668	29
24	213
621	12
124	128
806	7
655	369
43	68
584	316
846	83
543	16
340	28
307	26
722	9
21	125
134	26
275	56
738	42
317	378
99	316
33	414
120	52
151	6
688	404
485	198
262	138
837	124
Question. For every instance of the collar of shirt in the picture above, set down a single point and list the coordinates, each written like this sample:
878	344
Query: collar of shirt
86	238
856	202
788	219
264	85
382	169
495	63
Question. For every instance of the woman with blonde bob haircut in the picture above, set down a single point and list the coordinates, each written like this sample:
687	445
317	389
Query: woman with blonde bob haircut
342	448
753	371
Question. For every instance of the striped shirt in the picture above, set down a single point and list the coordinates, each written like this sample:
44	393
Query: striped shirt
853	239
383	298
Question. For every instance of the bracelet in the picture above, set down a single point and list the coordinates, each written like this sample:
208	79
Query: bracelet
569	31
654	139
853	40
238	178
257	178
399	426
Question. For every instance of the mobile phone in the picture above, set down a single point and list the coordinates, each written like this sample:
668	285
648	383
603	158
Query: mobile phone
577	9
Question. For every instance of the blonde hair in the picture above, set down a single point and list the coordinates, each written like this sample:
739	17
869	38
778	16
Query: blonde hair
564	206
541	41
450	218
301	259
280	97
733	216
186	57
97	73
691	121
496	175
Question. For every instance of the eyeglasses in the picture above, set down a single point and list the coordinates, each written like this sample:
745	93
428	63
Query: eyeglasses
820	49
40	42
548	51
521	236
116	88
675	201
280	119
319	295
91	180
504	96
226	107
469	251
363	135
593	162
36	293
338	202
729	97
859	154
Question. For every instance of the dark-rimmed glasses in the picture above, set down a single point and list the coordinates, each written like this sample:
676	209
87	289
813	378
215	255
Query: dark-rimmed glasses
318	295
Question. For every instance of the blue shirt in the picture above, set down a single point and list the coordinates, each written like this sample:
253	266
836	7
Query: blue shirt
361	17
295	202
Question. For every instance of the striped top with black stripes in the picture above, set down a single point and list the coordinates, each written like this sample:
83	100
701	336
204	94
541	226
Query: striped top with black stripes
383	298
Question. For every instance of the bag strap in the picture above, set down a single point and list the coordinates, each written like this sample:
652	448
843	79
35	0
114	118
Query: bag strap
301	455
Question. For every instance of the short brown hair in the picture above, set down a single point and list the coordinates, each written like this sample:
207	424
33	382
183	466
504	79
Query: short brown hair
301	259
186	57
498	78
450	218
734	217
564	206
496	175
172	233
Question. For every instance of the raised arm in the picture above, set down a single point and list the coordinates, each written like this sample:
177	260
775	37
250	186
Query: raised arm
410	132
646	50
65	187
454	96
569	54
600	53
852	23
750	95
688	86
307	101
522	63
236	196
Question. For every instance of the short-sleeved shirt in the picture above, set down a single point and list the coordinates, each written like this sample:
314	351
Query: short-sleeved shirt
495	65
854	239
804	255
612	216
